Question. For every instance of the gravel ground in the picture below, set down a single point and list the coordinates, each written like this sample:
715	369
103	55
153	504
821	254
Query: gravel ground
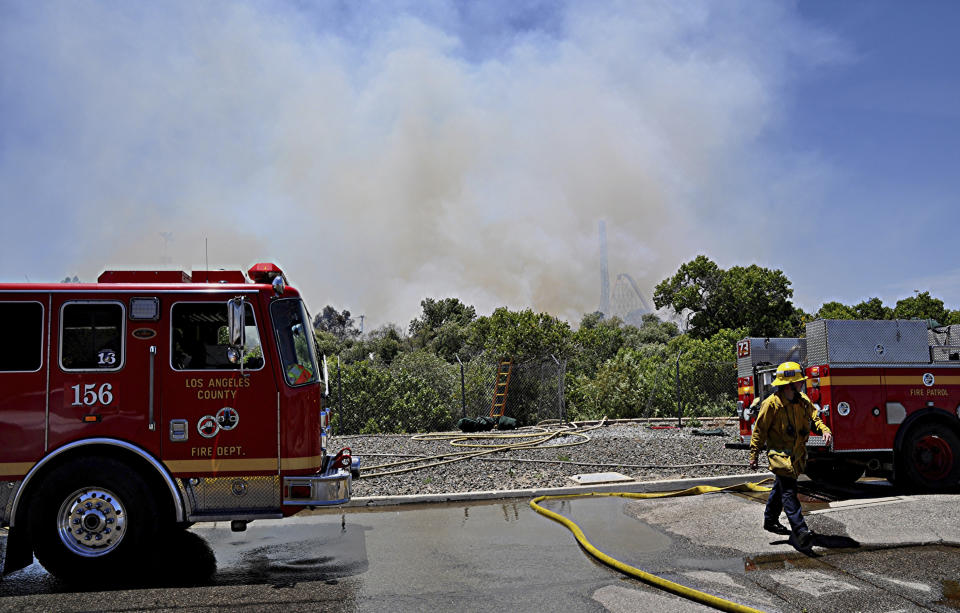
635	450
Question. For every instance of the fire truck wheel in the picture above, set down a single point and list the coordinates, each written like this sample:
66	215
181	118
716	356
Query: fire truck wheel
834	472
930	458
92	519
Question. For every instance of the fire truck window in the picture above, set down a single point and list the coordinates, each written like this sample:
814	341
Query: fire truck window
200	339
295	341
91	336
23	338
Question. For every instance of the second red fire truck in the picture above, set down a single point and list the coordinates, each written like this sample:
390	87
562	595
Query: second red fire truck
151	400
889	391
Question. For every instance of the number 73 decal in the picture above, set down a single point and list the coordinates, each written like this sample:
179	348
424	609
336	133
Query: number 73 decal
90	394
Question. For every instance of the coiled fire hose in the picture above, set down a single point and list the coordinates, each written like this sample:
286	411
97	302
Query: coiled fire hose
659	582
536	437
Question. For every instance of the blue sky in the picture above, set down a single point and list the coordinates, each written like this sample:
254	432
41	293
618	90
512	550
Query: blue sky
385	152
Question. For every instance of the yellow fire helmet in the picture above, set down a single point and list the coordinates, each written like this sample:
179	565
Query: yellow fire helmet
788	372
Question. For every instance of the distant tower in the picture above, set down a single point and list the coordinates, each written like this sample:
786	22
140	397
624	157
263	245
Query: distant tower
604	273
167	237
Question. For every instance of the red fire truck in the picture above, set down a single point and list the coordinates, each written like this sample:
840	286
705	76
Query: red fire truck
888	390
151	400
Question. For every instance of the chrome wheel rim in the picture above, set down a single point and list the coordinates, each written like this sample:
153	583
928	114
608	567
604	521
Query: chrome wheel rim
92	522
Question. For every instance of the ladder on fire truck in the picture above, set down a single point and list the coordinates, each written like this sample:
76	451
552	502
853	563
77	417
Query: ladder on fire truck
500	387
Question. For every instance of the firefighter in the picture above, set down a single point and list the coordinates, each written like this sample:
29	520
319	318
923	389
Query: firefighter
783	425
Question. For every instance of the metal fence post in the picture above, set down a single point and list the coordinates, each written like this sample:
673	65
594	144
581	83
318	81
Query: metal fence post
561	367
540	387
463	388
563	372
339	399
679	402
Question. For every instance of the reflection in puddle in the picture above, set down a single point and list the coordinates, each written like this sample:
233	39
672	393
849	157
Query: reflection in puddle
951	594
610	529
289	552
270	552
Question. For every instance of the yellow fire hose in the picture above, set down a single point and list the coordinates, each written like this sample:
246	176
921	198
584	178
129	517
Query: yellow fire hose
659	582
538	437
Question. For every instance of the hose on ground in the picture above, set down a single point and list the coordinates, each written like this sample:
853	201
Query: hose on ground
542	435
659	582
537	437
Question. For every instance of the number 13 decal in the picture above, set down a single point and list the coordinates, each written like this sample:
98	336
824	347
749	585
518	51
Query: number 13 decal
92	395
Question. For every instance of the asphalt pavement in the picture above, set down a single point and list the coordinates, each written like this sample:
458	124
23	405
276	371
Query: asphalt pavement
876	550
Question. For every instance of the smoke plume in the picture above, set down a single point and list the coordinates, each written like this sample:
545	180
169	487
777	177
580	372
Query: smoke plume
383	153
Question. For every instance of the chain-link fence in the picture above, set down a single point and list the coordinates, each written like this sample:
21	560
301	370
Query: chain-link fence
420	392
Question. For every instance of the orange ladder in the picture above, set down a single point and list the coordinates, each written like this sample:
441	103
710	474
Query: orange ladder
500	388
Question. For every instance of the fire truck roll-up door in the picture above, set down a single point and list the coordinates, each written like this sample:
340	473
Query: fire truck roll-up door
220	419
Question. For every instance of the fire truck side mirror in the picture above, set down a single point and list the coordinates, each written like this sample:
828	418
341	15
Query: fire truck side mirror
235	322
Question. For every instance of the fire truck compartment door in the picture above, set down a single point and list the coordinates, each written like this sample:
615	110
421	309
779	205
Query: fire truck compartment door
23	379
862	422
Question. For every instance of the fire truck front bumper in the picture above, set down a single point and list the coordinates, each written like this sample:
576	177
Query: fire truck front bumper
323	489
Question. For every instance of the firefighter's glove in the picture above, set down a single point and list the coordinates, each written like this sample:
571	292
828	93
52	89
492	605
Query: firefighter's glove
753	464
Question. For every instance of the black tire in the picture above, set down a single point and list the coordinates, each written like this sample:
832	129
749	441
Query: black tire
834	472
929	459
93	520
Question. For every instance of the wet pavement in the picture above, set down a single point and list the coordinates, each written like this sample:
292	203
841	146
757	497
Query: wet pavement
876	551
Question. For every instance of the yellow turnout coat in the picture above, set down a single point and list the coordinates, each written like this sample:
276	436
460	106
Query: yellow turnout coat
784	428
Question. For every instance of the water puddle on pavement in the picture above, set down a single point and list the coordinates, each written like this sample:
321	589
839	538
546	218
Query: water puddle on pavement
610	529
809	501
951	594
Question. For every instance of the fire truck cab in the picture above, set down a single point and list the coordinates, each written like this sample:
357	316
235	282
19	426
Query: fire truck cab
151	400
889	390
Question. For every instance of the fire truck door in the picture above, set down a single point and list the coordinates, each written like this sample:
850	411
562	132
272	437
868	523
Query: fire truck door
218	418
100	372
858	397
23	381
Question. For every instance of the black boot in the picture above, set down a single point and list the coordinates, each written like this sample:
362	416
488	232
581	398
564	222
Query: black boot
802	539
775	527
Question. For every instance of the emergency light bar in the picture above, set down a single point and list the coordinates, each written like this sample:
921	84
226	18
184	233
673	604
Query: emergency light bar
265	273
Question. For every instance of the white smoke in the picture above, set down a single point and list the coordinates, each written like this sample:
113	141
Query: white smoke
385	153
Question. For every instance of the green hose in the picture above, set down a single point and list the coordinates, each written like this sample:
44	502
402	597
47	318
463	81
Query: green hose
664	584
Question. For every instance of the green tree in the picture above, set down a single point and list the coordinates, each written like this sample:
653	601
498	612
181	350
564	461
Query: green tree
442	327
708	372
712	299
364	397
385	343
596	341
835	310
622	387
693	292
400	399
642	382
521	334
921	306
438	312
652	330
327	343
338	323
873	309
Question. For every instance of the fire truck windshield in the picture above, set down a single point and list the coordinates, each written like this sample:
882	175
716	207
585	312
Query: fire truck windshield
295	341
